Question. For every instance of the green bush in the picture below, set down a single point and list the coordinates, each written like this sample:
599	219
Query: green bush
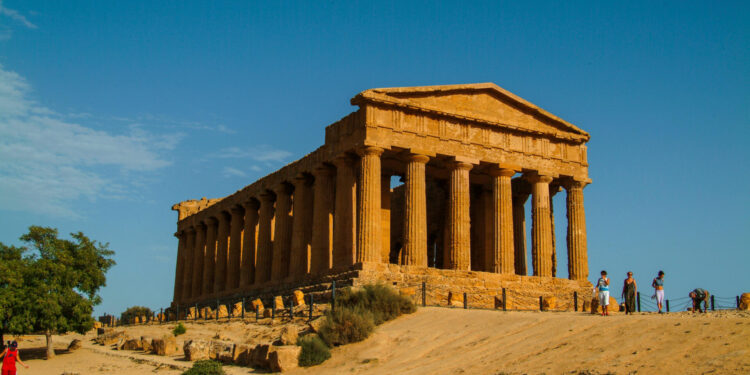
314	350
206	367
179	329
381	301
346	325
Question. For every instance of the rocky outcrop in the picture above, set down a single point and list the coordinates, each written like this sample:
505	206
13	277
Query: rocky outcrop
288	336
109	338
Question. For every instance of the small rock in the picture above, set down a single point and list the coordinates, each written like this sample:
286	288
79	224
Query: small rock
288	336
221	351
298	298
74	345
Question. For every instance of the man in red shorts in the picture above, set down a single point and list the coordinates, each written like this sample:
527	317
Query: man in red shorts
10	356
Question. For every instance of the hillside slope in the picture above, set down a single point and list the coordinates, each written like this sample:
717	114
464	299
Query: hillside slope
454	341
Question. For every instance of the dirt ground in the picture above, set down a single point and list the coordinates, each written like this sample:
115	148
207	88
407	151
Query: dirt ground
453	341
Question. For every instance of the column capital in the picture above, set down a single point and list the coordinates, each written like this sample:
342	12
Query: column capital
455	164
370	150
211	220
284	188
343	160
301	179
199	226
419	158
250	205
498	171
266	197
535	177
571	183
324	170
190	229
237	209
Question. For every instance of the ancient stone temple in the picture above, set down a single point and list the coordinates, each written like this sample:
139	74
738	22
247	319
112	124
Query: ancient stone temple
469	157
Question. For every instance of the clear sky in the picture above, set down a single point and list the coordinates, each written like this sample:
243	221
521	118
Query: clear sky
110	112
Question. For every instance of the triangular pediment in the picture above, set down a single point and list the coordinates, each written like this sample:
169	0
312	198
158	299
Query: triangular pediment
484	102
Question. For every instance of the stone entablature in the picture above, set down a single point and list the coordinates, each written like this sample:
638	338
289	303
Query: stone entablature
332	208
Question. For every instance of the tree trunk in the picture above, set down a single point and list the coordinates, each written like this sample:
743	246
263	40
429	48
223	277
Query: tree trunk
50	349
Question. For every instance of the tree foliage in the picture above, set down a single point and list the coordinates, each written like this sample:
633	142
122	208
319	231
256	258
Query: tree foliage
51	285
128	316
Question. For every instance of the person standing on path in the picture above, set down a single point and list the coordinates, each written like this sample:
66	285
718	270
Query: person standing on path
658	285
10	357
629	291
602	285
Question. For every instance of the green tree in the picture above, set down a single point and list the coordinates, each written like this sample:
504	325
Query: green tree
60	283
128	316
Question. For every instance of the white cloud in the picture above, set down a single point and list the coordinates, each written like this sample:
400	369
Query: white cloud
48	161
262	153
13	14
232	172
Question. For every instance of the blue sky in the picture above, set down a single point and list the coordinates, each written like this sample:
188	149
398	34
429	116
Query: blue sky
110	112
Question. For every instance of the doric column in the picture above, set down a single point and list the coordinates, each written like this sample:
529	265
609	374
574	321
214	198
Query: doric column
188	264
299	262
541	228
519	234
344	216
322	234
222	253
282	238
265	239
199	256
502	222
385	217
209	258
458	249
180	265
249	243
553	189
235	248
578	264
368	219
415	212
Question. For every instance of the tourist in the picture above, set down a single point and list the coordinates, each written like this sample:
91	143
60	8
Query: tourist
629	291
658	285
10	356
699	295
602	285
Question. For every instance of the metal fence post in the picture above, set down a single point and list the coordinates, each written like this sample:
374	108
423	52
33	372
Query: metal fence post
638	298
161	315
424	294
257	313
541	304
178	313
243	309
311	306
196	311
738	302
505	301
291	309
667	305
333	295
713	307
575	301
217	309
273	311
466	303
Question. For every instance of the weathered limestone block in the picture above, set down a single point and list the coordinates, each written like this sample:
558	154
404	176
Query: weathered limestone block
74	345
745	301
283	358
120	345
278	303
407	292
167	345
260	355
137	320
191	313
146	343
222	311
258	305
455	299
207	313
132	344
549	303
196	350
597	309
97	325
237	309
221	351
243	354
109	338
288	336
298	298
267	313
316	324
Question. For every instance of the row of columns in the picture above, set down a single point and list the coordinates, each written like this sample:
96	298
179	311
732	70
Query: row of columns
311	226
